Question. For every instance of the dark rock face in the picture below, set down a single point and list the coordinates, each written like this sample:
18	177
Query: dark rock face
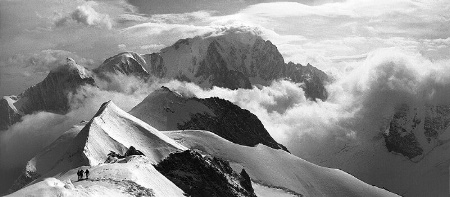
215	68
312	78
155	65
436	121
231	122
51	94
267	62
399	139
8	116
413	132
204	176
133	151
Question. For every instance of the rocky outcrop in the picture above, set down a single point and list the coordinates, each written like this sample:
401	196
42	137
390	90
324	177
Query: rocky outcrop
215	69
204	176
414	131
8	112
231	122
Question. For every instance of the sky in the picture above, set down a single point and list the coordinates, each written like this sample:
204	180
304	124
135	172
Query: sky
35	36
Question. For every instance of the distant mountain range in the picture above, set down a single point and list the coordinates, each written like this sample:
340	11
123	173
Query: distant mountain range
234	60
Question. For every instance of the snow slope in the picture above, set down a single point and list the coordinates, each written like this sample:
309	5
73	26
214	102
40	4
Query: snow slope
397	153
133	176
279	168
165	109
169	110
111	129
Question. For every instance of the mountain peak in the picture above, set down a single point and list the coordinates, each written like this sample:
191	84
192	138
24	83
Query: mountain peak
233	57
107	104
128	63
70	68
167	110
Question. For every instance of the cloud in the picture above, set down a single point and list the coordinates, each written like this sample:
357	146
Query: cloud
45	60
351	8
366	93
24	70
86	14
184	18
25	139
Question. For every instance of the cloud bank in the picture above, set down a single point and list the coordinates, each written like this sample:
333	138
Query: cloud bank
366	94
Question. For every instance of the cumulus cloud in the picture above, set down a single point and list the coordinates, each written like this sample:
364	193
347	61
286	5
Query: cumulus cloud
87	15
25	139
361	101
35	131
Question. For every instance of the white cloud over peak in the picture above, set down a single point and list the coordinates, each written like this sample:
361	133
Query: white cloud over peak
87	15
350	8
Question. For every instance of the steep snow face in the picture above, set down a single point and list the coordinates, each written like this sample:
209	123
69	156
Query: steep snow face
230	59
46	160
134	176
128	63
279	168
168	110
49	95
111	129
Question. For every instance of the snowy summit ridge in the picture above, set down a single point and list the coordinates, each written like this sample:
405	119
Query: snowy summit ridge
231	58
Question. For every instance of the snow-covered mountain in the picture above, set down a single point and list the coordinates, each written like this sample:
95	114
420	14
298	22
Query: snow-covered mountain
111	129
127	63
406	153
278	168
223	167
49	95
169	110
232	59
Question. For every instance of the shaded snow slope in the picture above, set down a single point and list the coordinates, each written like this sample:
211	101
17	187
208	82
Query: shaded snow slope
134	176
279	168
128	63
111	129
168	110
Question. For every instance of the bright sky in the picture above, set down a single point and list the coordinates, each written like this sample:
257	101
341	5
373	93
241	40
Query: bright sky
36	35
